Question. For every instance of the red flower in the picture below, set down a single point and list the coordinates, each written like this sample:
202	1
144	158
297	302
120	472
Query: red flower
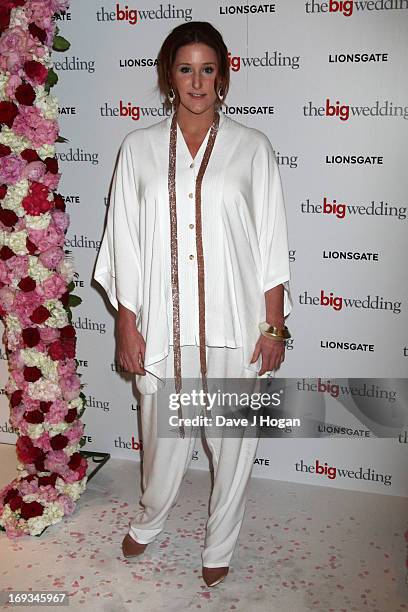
31	373
12	3
36	71
40	314
26	451
30	155
31	247
39	463
31	509
4	150
69	347
37	32
8	217
25	94
6	253
56	350
65	298
27	284
59	442
16	398
36	202
10	494
4	18
52	164
8	112
34	416
59	202
43	481
75	461
31	336
71	415
15	502
3	191
67	332
45	406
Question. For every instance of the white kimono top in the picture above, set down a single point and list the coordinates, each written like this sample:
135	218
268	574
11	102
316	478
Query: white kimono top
244	236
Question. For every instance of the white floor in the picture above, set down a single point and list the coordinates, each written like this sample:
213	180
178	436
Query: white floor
301	548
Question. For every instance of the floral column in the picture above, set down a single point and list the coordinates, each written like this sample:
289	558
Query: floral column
36	277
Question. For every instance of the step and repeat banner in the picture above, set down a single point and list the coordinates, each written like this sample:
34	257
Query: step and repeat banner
326	82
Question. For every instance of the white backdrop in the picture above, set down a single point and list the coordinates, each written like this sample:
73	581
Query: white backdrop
328	87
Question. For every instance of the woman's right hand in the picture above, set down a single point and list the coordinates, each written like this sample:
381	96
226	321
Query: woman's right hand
131	345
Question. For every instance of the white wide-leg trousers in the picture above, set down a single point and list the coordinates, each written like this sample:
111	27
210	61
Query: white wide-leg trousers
166	460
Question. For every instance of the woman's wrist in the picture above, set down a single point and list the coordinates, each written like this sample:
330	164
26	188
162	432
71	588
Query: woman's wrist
277	321
126	317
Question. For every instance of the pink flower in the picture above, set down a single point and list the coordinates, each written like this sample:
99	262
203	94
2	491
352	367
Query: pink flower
18	265
11	168
6	297
70	387
40	12
17	45
61	220
31	124
49	334
13	82
75	433
34	170
68	504
49	237
43	441
51	257
6	276
57	412
66	368
17	416
57	461
51	180
52	287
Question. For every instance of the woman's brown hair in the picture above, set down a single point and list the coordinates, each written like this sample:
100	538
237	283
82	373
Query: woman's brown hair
185	34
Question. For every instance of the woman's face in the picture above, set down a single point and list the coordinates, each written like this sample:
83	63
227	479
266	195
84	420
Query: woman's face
194	71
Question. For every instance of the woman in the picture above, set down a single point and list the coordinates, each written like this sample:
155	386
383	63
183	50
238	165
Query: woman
195	259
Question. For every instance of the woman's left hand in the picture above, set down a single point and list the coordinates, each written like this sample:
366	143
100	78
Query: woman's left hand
272	351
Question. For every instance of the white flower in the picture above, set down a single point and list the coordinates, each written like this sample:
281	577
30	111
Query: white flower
15	194
47	103
17	242
36	525
74	448
35	430
76	403
38	221
3	84
67	269
47	59
59	317
46	150
53	513
44	390
7	514
36	270
56	428
12	140
18	18
13	323
73	490
48	367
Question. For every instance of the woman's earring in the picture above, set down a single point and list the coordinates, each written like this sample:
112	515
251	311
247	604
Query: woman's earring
220	94
171	96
